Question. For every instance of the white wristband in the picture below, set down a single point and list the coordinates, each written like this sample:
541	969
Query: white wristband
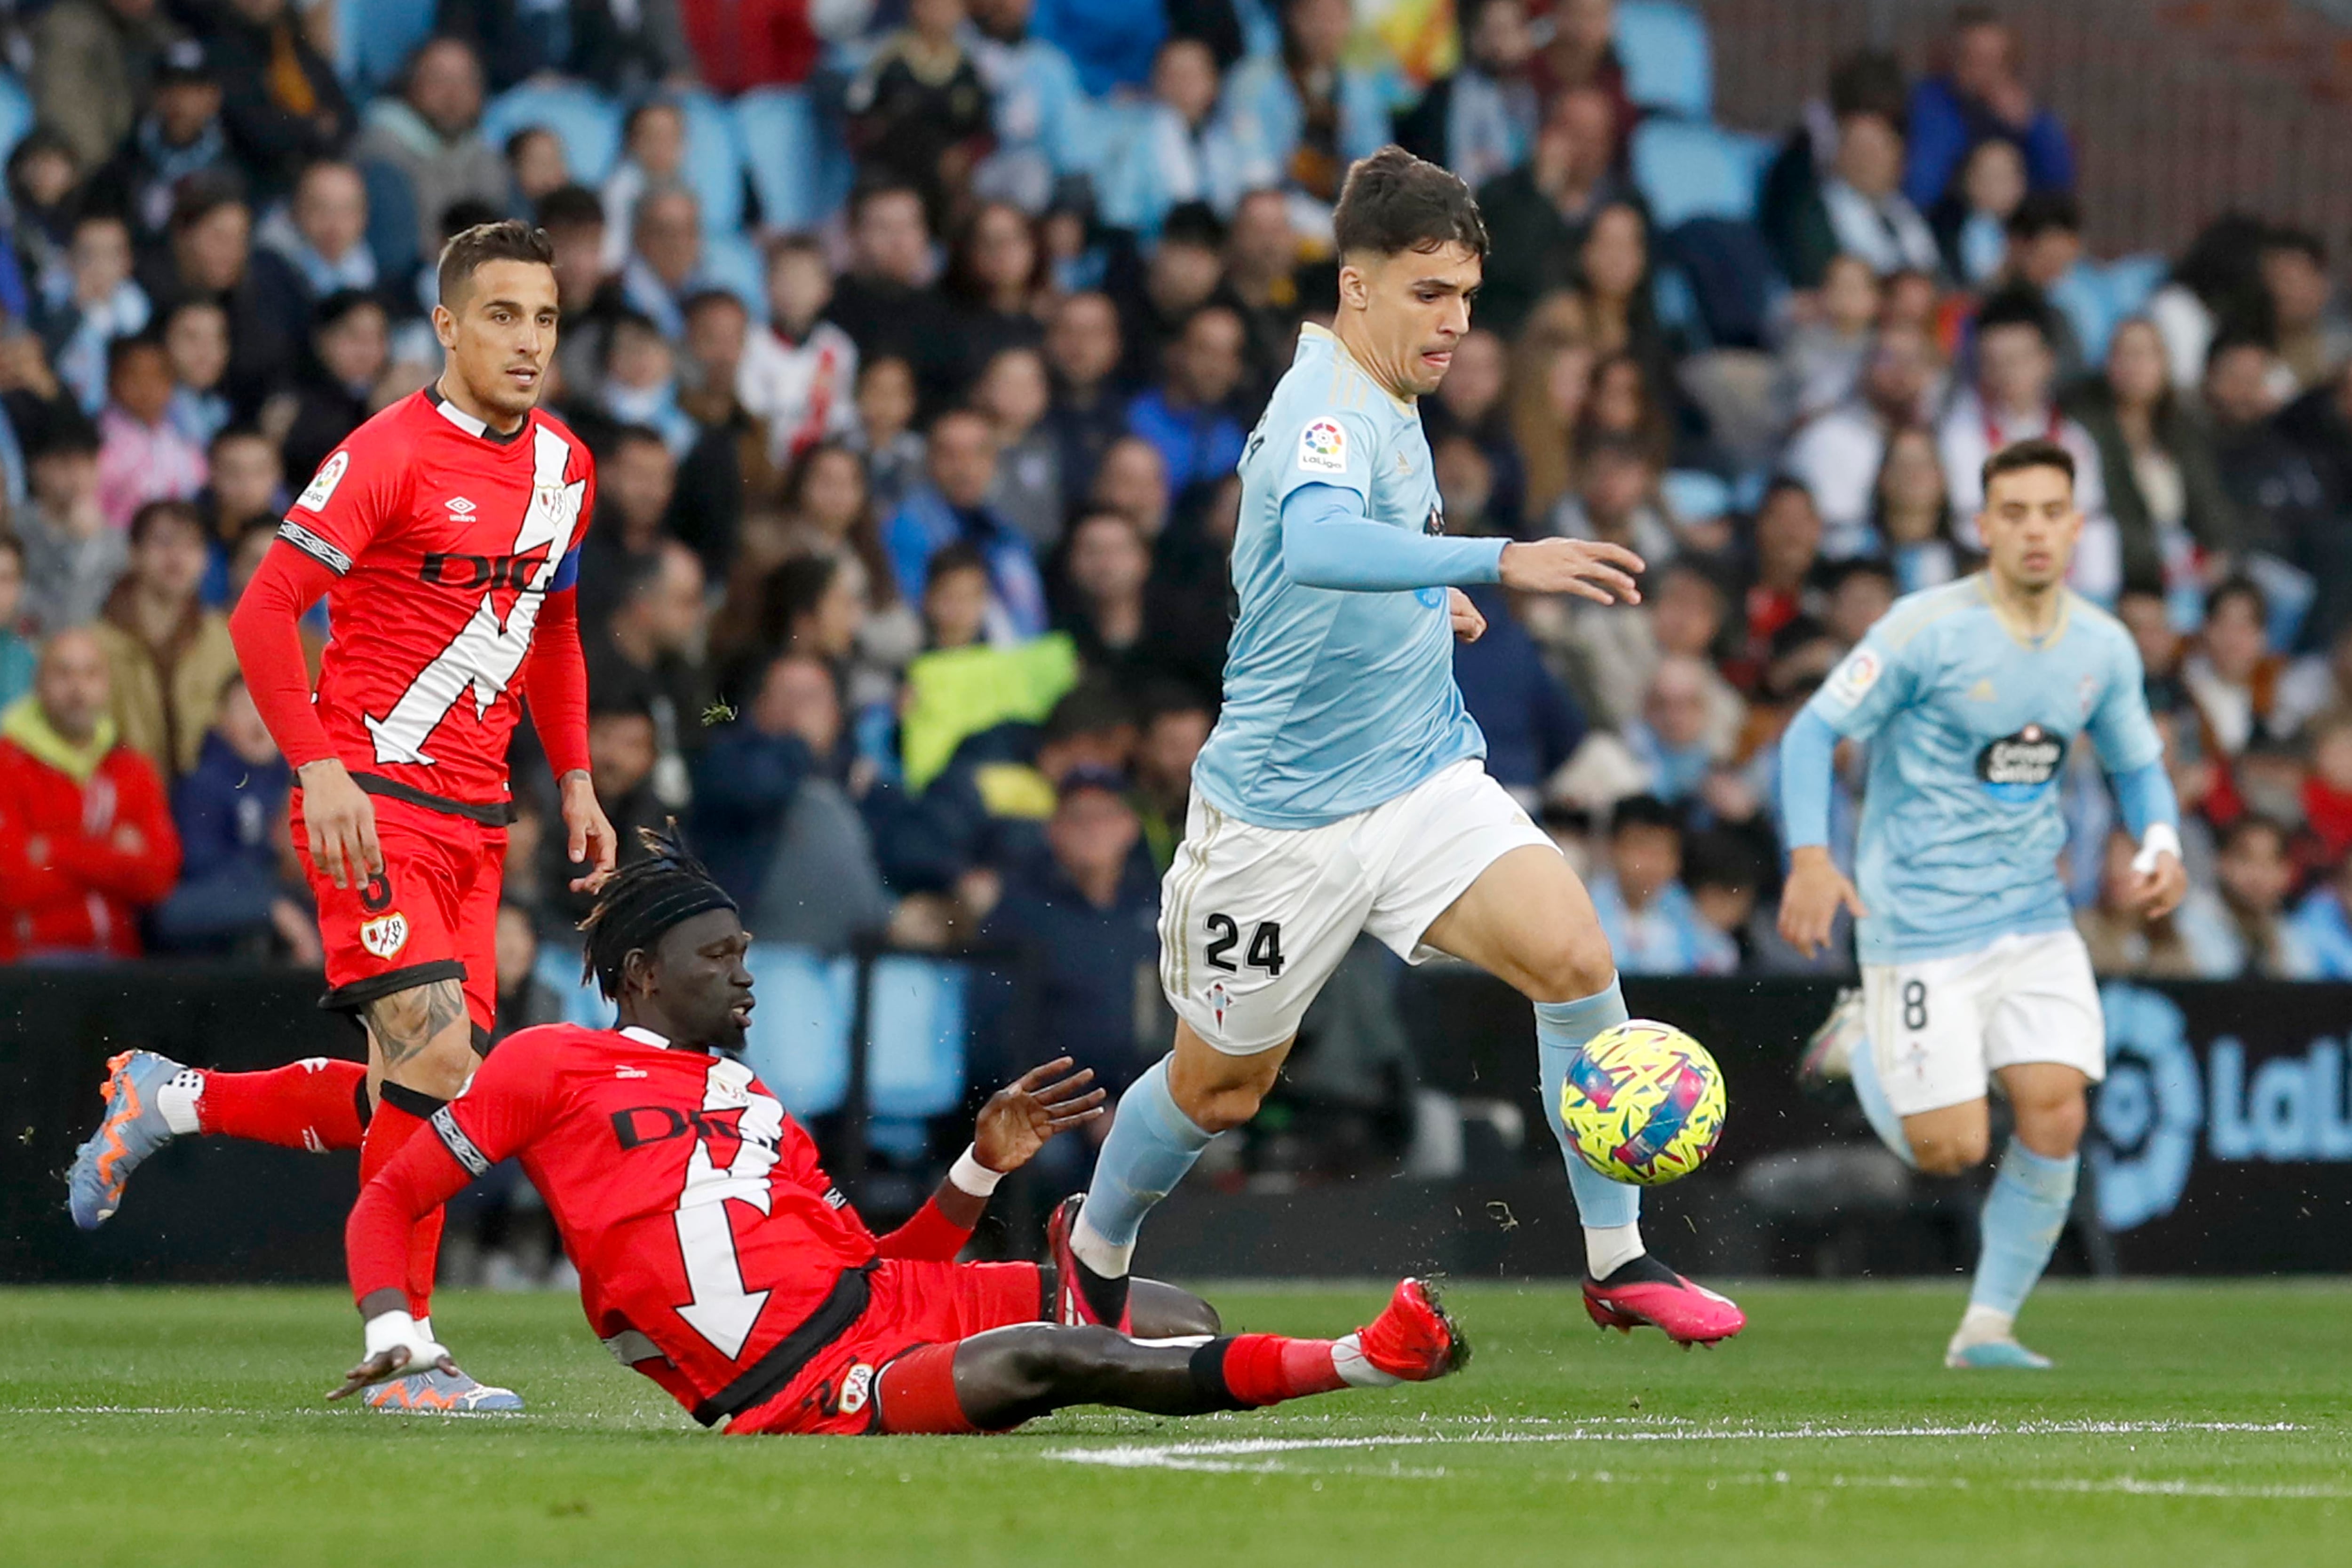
2161	839
396	1328
970	1177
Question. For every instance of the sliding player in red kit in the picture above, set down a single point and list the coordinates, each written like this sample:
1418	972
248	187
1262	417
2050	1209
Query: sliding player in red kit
716	1258
444	536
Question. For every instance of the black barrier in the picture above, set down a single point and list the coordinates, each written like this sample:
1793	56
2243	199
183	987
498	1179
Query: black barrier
2222	1141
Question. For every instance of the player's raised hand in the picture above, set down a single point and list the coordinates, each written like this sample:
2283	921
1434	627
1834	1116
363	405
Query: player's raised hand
340	821
2159	884
1020	1117
1589	569
1469	624
1810	902
589	837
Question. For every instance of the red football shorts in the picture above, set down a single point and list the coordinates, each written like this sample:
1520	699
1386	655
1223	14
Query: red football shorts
913	1303
432	915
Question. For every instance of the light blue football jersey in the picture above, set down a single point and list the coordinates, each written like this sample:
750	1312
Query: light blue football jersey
1970	726
1335	702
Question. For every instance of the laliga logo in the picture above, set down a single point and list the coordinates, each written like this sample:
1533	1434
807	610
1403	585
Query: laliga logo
2149	1110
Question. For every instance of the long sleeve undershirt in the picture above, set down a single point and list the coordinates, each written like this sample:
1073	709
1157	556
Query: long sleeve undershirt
1328	542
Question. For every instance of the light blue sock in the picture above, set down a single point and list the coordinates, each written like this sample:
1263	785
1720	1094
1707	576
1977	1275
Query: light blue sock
1151	1144
1561	1030
2022	1217
1873	1095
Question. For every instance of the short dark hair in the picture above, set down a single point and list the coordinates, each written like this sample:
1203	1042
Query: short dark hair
154	513
960	555
2014	308
1395	202
799	242
11	545
2252	822
1644	811
1193	224
2230	340
239	430
570	206
2288	237
1870	81
702	299
119	350
635	436
509	239
2039	212
2239	587
62	431
330	311
2035	452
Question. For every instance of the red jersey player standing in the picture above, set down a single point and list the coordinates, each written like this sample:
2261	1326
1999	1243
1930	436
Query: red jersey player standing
445	534
716	1258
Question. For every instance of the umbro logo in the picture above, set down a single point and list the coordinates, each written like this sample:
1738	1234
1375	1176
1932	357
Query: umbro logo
1981	691
459	508
630	1072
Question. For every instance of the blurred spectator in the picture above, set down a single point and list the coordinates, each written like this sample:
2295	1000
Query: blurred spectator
351	346
1856	593
1836	185
16	655
652	158
1980	95
1187	415
2013	399
1013	393
2163	488
1784	547
1110	42
1821	360
247	487
1090	917
664	264
2216	289
1550	370
94	66
105	305
168	656
211	257
1186	151
2121	940
86	839
1616	502
894	452
2318	427
1132	480
1615	286
636	480
196	341
2278	491
1672	740
44	184
2237	928
997	276
1971	219
1305	108
1182	274
886	301
1538	212
429	136
710	368
918	110
1481	120
2327	791
623	754
230	810
624	47
1471	404
1087	413
1262	263
2233	678
1110	611
322	232
1582	52
1174	721
1652	926
799	371
651	645
2044	262
1531	724
1612	658
536	169
2322	924
740	44
956	599
2315	335
1725	876
71	556
1038	109
279	98
952	508
2145	616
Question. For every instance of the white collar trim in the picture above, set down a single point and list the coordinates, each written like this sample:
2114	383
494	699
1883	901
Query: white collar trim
643	1037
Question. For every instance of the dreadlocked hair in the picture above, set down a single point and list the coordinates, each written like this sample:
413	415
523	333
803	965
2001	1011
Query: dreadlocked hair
640	902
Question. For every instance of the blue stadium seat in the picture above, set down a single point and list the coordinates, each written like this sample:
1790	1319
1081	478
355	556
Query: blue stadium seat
915	1021
2131	281
559	969
799	168
1695	495
917	1016
375	37
1669	63
714	163
1687	169
586	121
730	261
799	1042
15	113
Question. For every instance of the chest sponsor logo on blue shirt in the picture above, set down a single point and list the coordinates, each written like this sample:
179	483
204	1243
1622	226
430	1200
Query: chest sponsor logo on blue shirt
2018	767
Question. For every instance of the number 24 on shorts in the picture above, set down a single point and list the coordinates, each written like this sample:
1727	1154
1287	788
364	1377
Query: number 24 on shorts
1225	935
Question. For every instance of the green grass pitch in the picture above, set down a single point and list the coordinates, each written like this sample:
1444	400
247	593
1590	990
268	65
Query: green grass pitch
2208	1425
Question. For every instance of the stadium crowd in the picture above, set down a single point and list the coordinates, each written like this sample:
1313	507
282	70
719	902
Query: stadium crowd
906	585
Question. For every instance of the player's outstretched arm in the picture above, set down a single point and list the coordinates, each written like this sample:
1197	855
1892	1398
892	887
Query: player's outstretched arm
1816	889
1329	542
1589	569
1013	1125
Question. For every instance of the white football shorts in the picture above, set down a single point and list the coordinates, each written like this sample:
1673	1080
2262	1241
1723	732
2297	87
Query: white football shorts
1941	1026
1254	920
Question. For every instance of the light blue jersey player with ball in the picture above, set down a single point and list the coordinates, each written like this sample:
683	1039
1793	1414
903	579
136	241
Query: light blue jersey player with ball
1970	696
1342	790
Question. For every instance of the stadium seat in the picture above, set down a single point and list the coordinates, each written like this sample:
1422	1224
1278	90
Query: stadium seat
1669	63
799	1039
799	168
375	37
730	261
915	1019
1687	169
558	969
16	112
586	121
1695	495
714	163
2131	282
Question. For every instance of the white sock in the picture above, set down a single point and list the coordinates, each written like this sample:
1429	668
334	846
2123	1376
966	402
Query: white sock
176	1099
1105	1258
1348	1361
1983	1325
1609	1247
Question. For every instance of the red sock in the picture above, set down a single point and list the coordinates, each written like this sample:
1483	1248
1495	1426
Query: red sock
391	1128
311	1104
917	1392
1266	1369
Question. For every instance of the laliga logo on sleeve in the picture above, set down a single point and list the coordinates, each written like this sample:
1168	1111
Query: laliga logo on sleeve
322	484
1855	675
385	935
1323	447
